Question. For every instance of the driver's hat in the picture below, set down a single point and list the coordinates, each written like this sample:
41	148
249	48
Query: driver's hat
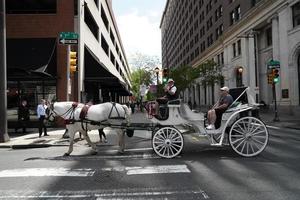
170	80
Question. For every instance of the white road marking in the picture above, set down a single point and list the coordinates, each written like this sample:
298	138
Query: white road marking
160	169
26	172
273	127
136	170
129	193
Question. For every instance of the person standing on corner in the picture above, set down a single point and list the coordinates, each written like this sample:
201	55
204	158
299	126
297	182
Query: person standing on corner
23	116
41	113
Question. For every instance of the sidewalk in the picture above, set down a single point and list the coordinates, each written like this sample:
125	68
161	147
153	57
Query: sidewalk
55	135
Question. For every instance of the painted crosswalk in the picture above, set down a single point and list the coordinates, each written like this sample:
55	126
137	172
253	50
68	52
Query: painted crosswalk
126	193
132	170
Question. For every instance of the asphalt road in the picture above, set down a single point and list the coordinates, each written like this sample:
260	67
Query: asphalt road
200	172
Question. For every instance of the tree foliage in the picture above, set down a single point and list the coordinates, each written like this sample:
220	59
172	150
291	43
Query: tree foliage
138	77
208	72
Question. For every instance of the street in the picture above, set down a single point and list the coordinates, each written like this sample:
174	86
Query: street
200	172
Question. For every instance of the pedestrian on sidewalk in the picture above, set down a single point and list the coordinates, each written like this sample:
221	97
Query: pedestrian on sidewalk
101	133
23	116
41	113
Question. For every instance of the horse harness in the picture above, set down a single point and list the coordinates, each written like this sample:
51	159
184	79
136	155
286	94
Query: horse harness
83	114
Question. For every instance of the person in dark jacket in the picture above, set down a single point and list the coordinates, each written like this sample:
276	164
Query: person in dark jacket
23	116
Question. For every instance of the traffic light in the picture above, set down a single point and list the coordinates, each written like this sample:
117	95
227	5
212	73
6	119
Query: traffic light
270	79
275	76
73	61
165	75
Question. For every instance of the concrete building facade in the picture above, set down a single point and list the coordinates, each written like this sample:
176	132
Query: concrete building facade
37	63
238	35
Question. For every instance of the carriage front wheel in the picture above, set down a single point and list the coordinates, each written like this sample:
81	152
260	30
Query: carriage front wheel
248	136
167	142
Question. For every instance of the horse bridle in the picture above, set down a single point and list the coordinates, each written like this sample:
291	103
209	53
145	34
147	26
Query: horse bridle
69	111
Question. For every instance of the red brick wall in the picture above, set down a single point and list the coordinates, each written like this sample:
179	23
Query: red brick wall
46	26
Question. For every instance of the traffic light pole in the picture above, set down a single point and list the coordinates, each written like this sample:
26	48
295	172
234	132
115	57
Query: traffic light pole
276	118
68	73
3	101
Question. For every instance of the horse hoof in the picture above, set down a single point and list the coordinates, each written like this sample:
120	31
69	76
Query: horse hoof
94	153
66	154
121	151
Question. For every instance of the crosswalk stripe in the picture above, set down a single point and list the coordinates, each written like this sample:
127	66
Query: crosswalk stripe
26	172
126	193
159	169
135	170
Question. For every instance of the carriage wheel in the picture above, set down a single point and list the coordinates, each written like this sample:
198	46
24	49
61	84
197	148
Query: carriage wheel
167	142
248	136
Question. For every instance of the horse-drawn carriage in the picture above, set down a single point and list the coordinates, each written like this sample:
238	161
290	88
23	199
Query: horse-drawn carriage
238	127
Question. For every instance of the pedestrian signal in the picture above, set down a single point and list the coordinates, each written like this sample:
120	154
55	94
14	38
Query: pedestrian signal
73	61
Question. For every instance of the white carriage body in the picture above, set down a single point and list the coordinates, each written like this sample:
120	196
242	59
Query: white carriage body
183	118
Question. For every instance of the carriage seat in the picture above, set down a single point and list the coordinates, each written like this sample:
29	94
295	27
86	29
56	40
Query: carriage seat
233	107
174	103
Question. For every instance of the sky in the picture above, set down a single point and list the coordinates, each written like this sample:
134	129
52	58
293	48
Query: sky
138	22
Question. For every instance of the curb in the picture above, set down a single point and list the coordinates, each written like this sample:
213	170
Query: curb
28	146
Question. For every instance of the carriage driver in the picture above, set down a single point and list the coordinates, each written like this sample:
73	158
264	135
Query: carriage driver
219	108
170	94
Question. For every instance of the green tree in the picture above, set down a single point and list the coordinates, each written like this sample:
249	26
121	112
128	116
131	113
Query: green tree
138	77
208	72
184	76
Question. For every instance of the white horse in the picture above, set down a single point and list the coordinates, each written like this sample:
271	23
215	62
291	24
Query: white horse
97	116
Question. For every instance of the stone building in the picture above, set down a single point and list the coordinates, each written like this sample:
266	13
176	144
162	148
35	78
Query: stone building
242	37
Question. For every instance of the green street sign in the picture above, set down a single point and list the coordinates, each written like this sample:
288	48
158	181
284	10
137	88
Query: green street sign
273	64
68	38
68	35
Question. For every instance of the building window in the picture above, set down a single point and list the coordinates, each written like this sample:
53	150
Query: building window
97	3
31	7
234	50
104	18
104	45
269	36
112	58
112	37
296	14
235	15
239	47
91	23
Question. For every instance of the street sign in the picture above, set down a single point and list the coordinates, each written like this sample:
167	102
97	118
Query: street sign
69	41
273	64
68	38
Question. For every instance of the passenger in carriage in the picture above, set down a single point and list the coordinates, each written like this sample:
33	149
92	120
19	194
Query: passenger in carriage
219	108
170	94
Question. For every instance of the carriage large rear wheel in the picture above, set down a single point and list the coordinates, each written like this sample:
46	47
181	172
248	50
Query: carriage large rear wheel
248	136
167	142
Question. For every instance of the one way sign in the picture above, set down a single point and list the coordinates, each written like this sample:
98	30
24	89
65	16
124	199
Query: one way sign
68	41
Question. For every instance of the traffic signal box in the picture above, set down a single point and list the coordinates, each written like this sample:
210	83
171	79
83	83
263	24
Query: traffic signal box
165	75
73	62
273	76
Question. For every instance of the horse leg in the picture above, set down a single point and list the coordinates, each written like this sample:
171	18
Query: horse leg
71	132
121	135
87	138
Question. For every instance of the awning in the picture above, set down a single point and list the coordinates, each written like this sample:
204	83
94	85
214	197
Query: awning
32	58
95	71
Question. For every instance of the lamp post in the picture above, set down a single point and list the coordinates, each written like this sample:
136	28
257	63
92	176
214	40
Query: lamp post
157	72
